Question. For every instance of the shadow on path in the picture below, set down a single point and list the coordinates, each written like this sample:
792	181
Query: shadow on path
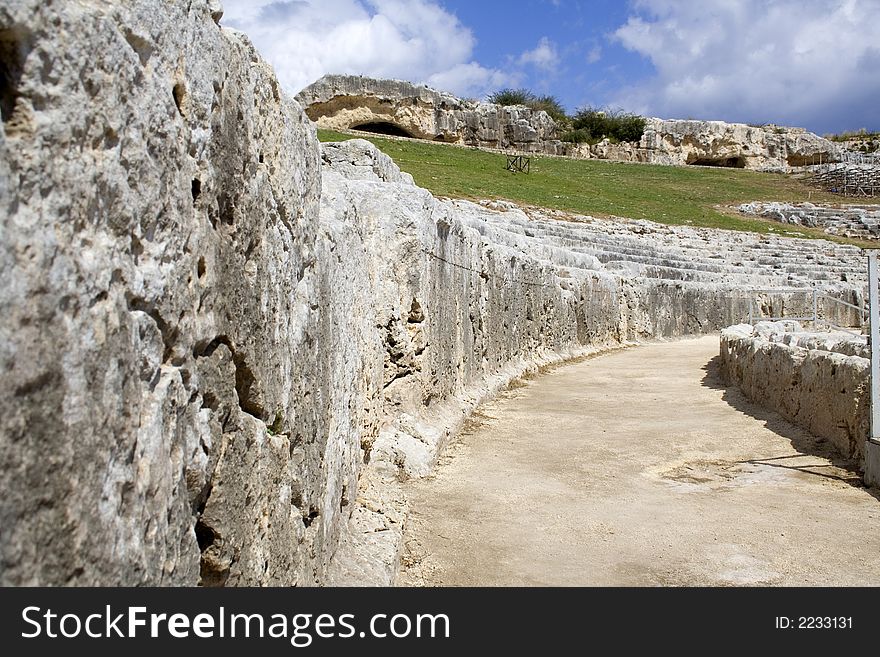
805	443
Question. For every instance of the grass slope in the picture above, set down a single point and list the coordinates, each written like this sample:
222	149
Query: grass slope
665	194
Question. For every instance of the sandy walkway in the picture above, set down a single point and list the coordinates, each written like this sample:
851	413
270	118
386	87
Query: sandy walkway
639	468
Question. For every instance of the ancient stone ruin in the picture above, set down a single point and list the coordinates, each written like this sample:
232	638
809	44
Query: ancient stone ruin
861	222
224	345
341	102
856	176
817	380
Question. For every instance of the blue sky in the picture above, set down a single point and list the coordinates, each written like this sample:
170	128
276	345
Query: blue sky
809	63
589	64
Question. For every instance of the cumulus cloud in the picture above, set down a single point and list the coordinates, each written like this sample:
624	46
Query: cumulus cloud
471	80
414	40
805	62
543	56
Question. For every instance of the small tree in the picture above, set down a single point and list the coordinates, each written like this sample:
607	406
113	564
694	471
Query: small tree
592	121
630	127
546	103
512	97
552	106
599	124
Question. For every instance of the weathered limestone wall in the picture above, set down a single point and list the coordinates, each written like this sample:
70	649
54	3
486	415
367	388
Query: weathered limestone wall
819	382
455	316
164	408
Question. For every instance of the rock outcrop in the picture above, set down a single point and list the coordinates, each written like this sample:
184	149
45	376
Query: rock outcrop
345	102
715	143
341	102
718	144
819	381
223	344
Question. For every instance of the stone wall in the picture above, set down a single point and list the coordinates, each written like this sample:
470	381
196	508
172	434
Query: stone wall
817	381
223	345
159	217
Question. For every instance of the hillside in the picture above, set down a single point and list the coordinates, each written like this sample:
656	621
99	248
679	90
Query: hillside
695	196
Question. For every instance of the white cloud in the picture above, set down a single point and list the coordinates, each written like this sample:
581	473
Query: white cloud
594	55
543	56
414	40
787	61
472	76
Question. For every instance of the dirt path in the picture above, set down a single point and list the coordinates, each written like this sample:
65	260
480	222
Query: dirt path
639	468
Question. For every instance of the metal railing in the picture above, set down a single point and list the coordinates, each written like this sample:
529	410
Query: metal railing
851	157
814	296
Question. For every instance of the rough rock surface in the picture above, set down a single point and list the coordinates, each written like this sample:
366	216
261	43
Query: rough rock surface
861	222
222	345
817	381
717	144
343	102
165	415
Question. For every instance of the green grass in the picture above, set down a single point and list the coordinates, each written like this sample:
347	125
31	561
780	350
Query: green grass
665	194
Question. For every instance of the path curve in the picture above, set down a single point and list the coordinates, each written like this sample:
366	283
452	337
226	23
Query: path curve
639	467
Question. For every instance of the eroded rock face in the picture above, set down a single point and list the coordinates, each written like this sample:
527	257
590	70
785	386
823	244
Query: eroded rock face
342	102
345	102
714	143
164	410
719	144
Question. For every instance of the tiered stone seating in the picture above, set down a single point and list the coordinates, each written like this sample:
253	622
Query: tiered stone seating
861	222
681	253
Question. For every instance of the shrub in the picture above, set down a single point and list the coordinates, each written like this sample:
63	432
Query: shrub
588	125
579	136
615	125
512	97
546	103
552	106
